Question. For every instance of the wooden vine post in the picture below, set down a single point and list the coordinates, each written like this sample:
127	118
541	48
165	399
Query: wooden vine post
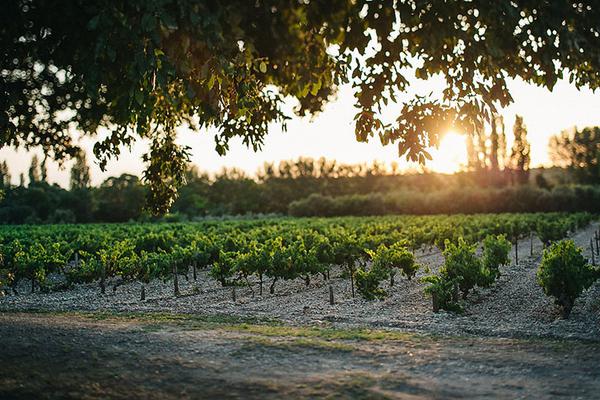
592	249
352	279
103	279
516	250
331	299
260	283
435	302
530	244
175	280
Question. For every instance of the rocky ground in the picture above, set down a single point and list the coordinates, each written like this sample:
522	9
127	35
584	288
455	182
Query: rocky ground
514	307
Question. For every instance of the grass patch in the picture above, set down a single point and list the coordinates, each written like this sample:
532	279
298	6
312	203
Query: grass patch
164	318
357	334
255	326
295	343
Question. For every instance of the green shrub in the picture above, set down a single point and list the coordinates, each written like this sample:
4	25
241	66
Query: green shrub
495	254
443	292
392	258
223	269
564	273
367	283
551	231
257	260
37	261
463	265
346	251
463	270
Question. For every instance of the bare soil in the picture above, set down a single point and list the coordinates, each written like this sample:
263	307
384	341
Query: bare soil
91	356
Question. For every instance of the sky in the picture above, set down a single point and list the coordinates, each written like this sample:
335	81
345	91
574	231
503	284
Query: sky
331	134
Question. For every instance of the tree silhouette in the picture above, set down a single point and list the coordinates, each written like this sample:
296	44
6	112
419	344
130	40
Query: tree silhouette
494	145
520	154
80	172
502	142
4	175
34	170
578	150
44	169
472	154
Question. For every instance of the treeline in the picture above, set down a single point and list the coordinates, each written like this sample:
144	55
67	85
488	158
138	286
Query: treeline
467	200
494	182
117	199
289	189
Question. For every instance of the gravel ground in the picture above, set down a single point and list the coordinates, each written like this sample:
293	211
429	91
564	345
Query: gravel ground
514	307
46	356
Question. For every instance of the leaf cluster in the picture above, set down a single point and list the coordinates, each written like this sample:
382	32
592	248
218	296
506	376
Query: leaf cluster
564	274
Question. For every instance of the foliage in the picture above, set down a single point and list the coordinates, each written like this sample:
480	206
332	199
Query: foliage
392	258
165	172
578	150
551	231
237	250
463	270
34	170
469	200
337	189
37	261
495	254
80	172
141	69
367	282
520	156
256	261
224	267
443	292
346	251
5	176
384	263
463	266
120	199
564	273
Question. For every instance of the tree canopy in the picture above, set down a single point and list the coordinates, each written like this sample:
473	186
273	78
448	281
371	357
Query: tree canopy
142	68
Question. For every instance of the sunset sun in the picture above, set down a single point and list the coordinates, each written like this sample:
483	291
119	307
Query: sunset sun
451	155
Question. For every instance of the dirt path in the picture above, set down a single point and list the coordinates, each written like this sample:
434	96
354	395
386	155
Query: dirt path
83	357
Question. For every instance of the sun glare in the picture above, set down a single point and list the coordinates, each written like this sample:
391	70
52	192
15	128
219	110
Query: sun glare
451	156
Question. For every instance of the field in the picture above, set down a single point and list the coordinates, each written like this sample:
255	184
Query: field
299	307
